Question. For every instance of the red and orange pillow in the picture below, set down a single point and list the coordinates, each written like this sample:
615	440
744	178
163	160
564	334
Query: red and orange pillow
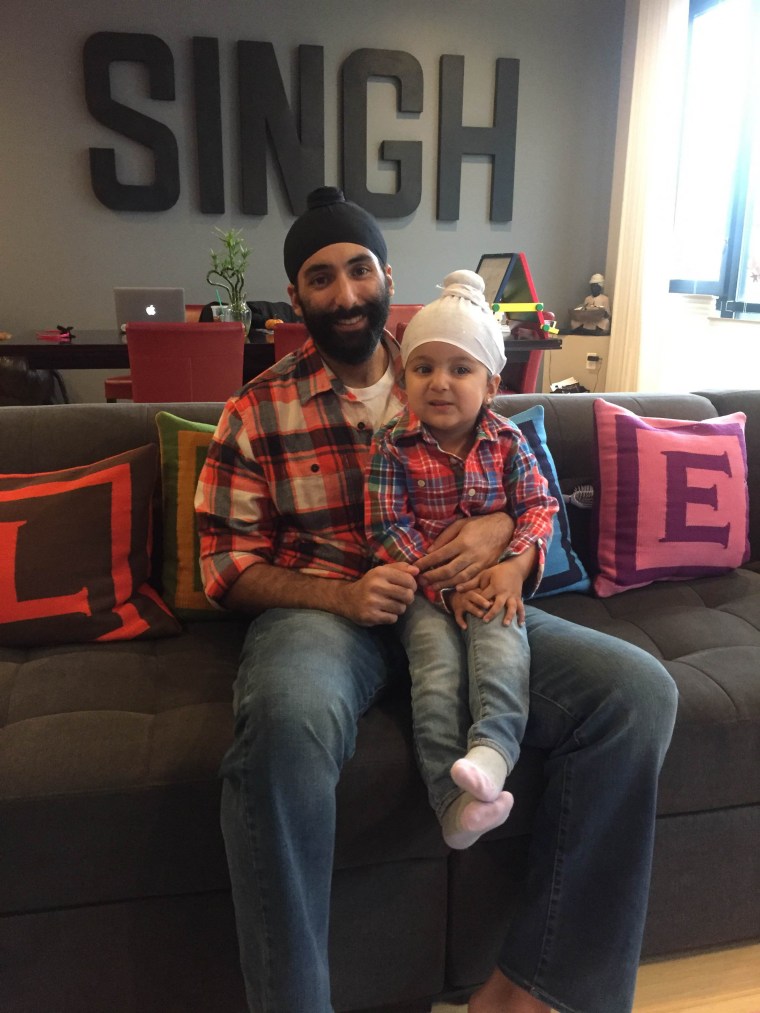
75	554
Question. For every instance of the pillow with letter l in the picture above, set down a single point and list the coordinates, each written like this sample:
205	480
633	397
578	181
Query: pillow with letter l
75	554
563	570
672	501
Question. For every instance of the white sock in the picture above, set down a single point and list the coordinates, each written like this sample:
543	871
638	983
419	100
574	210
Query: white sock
467	818
482	772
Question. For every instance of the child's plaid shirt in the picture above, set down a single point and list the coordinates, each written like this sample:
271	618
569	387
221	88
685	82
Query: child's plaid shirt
414	490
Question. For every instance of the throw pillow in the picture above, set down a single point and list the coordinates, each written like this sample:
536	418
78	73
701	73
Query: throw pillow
563	570
183	450
672	501
75	554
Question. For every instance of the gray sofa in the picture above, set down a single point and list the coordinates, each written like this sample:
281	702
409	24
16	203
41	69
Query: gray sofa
114	892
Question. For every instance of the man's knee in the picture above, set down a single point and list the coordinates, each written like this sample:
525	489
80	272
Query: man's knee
652	696
599	673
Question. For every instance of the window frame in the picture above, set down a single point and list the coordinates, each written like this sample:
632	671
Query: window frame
725	287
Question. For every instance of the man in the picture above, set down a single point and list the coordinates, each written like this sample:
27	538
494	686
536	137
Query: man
280	515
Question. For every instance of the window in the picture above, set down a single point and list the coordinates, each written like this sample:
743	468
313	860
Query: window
717	217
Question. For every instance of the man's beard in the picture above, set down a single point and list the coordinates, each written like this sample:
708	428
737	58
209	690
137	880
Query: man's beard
356	347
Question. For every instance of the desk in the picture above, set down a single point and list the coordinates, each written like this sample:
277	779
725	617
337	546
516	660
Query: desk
106	350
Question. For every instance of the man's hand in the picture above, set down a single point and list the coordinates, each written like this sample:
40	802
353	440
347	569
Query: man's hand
380	596
466	548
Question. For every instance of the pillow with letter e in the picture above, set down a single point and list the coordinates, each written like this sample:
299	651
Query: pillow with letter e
672	500
75	554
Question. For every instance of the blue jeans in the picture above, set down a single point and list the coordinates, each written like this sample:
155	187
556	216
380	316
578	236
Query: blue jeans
602	709
469	688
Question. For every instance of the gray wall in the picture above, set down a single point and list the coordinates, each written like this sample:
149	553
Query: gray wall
62	251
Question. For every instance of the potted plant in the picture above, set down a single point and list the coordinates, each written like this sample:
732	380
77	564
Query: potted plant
228	273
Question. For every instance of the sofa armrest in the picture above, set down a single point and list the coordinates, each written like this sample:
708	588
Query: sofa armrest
747	401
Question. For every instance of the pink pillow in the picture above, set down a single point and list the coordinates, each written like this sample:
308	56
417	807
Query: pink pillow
672	501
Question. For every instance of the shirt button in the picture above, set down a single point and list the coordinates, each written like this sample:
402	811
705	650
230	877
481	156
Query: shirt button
470	492
362	425
421	482
315	467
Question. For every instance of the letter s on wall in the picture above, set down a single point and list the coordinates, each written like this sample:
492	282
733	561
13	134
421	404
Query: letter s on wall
100	51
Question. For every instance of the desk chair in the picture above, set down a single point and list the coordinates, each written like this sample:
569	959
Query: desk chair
400	313
119	388
287	338
193	312
290	336
185	362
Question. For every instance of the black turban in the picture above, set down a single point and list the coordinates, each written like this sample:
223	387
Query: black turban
329	219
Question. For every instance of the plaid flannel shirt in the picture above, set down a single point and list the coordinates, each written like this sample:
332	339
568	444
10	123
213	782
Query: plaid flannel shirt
414	490
283	481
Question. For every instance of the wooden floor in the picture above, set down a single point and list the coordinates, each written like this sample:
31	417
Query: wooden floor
727	981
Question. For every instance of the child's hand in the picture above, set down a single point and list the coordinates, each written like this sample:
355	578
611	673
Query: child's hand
502	586
463	603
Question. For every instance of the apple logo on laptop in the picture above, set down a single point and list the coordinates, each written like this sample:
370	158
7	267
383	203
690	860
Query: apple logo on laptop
150	310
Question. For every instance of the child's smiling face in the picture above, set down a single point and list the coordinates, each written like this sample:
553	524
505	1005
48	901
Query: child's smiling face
446	388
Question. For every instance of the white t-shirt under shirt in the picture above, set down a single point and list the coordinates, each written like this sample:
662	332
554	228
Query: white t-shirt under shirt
379	400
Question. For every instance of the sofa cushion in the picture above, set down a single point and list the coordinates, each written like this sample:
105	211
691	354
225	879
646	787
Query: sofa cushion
75	554
109	772
672	498
108	767
706	632
563	570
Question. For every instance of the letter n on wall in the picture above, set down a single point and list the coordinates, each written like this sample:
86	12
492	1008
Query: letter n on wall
266	116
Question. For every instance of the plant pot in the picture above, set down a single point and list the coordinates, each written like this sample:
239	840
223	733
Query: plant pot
241	312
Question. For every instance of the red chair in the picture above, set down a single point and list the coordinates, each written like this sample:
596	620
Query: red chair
400	313
193	312
287	338
119	388
185	362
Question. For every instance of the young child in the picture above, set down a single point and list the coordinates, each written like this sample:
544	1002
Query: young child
448	456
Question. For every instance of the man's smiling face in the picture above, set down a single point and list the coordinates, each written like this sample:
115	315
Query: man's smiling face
343	294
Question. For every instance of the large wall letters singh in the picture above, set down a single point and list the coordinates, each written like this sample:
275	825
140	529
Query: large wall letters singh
267	122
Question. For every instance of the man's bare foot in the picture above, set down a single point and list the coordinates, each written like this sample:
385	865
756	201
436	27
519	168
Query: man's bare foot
500	995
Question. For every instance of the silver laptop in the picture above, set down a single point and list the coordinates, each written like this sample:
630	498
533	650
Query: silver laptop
142	305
